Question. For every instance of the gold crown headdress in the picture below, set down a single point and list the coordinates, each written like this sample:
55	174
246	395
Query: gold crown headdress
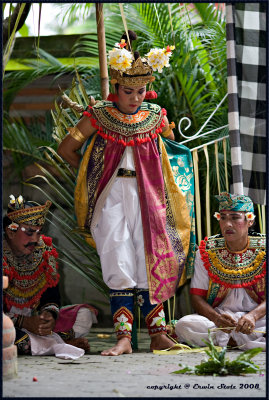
19	213
130	69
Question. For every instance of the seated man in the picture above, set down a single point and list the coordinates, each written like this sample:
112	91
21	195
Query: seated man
228	286
32	299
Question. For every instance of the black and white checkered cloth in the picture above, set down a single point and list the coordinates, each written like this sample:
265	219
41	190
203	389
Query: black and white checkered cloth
247	80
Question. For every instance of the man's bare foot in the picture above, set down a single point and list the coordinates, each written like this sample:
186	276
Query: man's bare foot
122	347
161	342
82	343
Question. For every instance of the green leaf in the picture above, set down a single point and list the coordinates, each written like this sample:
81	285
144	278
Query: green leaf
24	31
184	370
248	354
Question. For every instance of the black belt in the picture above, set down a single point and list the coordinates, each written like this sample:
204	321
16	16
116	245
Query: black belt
126	173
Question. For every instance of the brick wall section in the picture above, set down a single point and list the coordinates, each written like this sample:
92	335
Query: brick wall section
38	97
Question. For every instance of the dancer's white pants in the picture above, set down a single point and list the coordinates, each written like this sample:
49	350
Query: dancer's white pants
119	237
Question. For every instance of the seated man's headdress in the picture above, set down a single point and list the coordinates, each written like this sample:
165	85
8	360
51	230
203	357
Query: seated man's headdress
21	212
235	202
129	69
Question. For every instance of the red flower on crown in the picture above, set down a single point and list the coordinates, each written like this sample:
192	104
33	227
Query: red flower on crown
122	43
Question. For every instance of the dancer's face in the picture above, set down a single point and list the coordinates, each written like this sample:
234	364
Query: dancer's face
130	98
234	228
24	240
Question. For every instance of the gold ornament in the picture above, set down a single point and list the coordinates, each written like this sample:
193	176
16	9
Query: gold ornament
30	215
76	134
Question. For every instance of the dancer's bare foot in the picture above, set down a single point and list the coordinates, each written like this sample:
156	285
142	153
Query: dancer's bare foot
123	346
82	343
161	342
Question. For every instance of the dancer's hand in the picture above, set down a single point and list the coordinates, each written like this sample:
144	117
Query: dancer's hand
42	324
246	324
225	320
46	323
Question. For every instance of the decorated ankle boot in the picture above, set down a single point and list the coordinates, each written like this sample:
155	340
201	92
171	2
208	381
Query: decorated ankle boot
122	308
154	314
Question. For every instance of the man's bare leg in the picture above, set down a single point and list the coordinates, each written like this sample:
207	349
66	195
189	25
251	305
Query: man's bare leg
123	346
161	342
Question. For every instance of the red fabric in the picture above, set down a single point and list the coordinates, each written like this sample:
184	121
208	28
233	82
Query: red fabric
158	248
68	315
200	292
112	157
112	97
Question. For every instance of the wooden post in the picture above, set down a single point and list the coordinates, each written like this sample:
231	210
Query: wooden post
102	50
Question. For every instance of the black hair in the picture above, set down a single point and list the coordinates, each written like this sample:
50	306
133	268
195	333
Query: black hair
6	222
132	36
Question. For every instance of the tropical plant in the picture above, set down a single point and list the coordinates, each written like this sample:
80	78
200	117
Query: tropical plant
24	143
218	364
13	23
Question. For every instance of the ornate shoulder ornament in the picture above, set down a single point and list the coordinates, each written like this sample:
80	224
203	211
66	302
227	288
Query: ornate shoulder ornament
126	129
234	269
29	277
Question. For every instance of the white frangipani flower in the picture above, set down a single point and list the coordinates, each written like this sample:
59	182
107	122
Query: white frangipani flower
120	59
20	199
12	199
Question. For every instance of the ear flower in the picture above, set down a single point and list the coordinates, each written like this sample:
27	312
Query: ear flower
217	215
13	226
250	216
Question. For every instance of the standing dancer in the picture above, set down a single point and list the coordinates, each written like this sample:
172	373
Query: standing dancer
126	197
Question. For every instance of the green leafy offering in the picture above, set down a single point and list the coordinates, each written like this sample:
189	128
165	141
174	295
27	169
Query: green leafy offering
217	364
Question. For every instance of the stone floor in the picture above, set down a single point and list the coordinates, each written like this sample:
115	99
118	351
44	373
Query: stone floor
141	374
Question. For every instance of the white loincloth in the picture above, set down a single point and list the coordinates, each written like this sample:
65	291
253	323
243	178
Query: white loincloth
51	344
84	320
193	328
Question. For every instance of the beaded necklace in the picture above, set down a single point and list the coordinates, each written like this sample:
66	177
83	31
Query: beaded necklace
234	269
126	129
31	275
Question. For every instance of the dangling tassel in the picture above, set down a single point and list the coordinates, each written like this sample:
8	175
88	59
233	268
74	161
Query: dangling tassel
151	94
112	97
